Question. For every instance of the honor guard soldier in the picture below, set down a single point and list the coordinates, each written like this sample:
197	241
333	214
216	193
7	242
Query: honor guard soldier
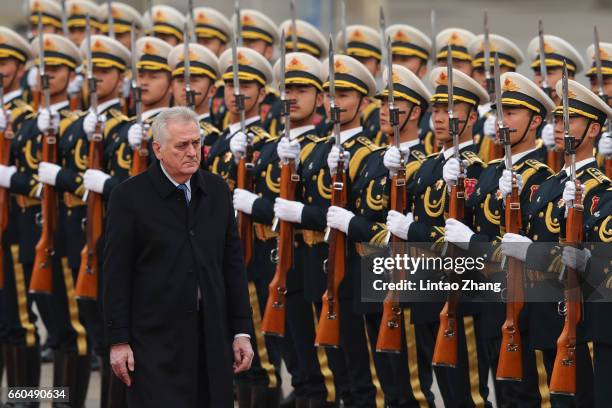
167	24
525	107
212	29
458	39
308	40
204	73
412	98
604	146
363	43
155	82
556	50
545	217
76	16
510	57
124	16
354	85
425	222
312	380
261	384
19	337
72	358
410	48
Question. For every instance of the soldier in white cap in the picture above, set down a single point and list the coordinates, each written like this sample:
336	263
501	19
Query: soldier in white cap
76	11
410	47
213	30
459	39
426	221
124	16
587	114
166	23
204	70
51	14
604	146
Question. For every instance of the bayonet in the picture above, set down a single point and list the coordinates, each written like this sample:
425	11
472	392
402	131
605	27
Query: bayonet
598	70
238	32
294	33
91	80
382	25
393	110
239	97
191	33
543	70
453	122
111	20
487	56
343	26
570	149
136	91
504	134
434	52
189	93
64	19
44	78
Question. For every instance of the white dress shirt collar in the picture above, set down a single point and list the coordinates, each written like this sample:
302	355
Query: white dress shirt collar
102	107
345	135
297	132
12	95
579	164
187	183
56	107
519	156
150	113
450	152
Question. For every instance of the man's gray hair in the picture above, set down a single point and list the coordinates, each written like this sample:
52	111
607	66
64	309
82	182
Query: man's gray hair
175	114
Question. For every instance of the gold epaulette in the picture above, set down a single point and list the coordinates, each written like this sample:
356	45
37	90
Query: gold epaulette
597	178
368	143
430	155
313	138
209	128
69	118
355	161
419	155
471	157
369	109
534	166
259	133
21	108
116	117
412	167
306	150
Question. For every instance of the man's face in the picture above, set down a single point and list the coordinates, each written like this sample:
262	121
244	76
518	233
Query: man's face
124	39
577	127
607	85
46	29
306	98
11	71
260	46
201	84
479	74
516	119
59	78
371	64
76	35
253	92
415	64
181	151
385	120
439	116
108	81
350	101
460	65
554	74
169	38
154	85
214	44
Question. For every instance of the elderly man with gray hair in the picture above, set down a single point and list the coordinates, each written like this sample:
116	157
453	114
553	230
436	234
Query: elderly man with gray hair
176	303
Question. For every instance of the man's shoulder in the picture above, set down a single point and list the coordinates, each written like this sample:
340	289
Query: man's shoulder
214	181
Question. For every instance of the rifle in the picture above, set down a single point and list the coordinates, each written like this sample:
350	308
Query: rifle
274	315
6	136
344	38
87	280
553	157
390	330
244	176
111	20
65	30
434	59
510	366
495	149
42	271
563	378
190	34
328	329
238	32
294	33
189	93
140	158
602	94
36	93
445	351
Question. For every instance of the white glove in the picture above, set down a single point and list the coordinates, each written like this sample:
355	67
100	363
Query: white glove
33	77
399	224
287	210
93	180
569	192
4	119
74	87
575	258
334	156
46	121
89	123
489	126
244	200
47	172
287	150
135	135
515	245
605	144
505	182
458	233
238	145
6	172
392	158
450	171
548	136
339	218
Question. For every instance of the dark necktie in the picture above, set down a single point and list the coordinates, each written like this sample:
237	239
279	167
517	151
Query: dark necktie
185	191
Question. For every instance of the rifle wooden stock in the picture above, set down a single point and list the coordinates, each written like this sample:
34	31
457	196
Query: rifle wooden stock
140	158
274	315
445	350
87	280
5	150
328	328
36	95
554	159
390	330
75	102
245	222
608	166
510	365
496	150
563	378
42	271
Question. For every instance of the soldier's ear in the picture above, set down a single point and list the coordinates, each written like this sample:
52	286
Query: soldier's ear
319	99
536	122
594	130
